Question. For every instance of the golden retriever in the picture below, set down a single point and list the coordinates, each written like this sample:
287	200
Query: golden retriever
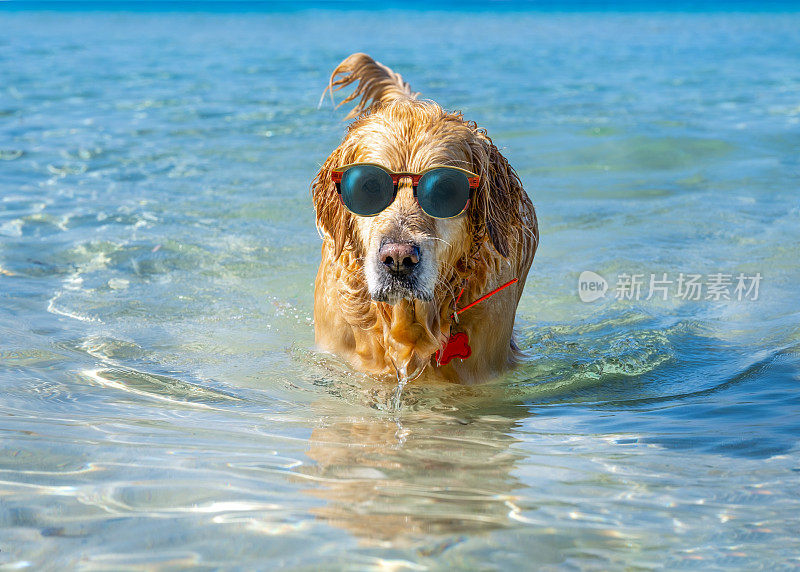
389	285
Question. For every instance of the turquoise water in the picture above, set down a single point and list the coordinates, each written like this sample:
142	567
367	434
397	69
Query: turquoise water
162	406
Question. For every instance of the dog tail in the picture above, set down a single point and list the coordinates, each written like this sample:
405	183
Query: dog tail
376	83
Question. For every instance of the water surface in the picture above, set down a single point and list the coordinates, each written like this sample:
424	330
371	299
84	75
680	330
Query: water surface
163	407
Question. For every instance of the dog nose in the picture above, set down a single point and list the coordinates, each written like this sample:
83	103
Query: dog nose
400	259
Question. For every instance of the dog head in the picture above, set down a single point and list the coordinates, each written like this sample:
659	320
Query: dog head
406	253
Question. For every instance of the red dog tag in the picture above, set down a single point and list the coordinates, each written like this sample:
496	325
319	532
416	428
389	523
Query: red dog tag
457	346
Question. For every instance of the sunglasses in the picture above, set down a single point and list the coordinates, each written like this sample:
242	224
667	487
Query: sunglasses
442	192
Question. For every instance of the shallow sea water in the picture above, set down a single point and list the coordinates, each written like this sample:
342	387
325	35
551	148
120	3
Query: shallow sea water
161	402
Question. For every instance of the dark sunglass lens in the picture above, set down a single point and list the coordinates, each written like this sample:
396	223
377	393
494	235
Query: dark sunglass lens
443	193
366	189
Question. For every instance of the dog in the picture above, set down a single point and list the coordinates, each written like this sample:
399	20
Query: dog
393	286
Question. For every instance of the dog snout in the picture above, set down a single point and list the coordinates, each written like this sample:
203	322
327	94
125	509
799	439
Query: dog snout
400	259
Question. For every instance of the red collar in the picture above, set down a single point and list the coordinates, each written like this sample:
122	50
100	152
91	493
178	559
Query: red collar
457	345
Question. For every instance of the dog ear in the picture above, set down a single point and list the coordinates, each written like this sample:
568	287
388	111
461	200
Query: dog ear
376	83
333	219
504	211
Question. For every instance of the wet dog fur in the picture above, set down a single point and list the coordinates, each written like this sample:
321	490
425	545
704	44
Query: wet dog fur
389	325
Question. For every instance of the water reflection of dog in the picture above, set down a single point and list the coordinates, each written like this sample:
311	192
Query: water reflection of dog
427	473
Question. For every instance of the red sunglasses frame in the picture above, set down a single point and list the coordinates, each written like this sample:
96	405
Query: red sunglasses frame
474	181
